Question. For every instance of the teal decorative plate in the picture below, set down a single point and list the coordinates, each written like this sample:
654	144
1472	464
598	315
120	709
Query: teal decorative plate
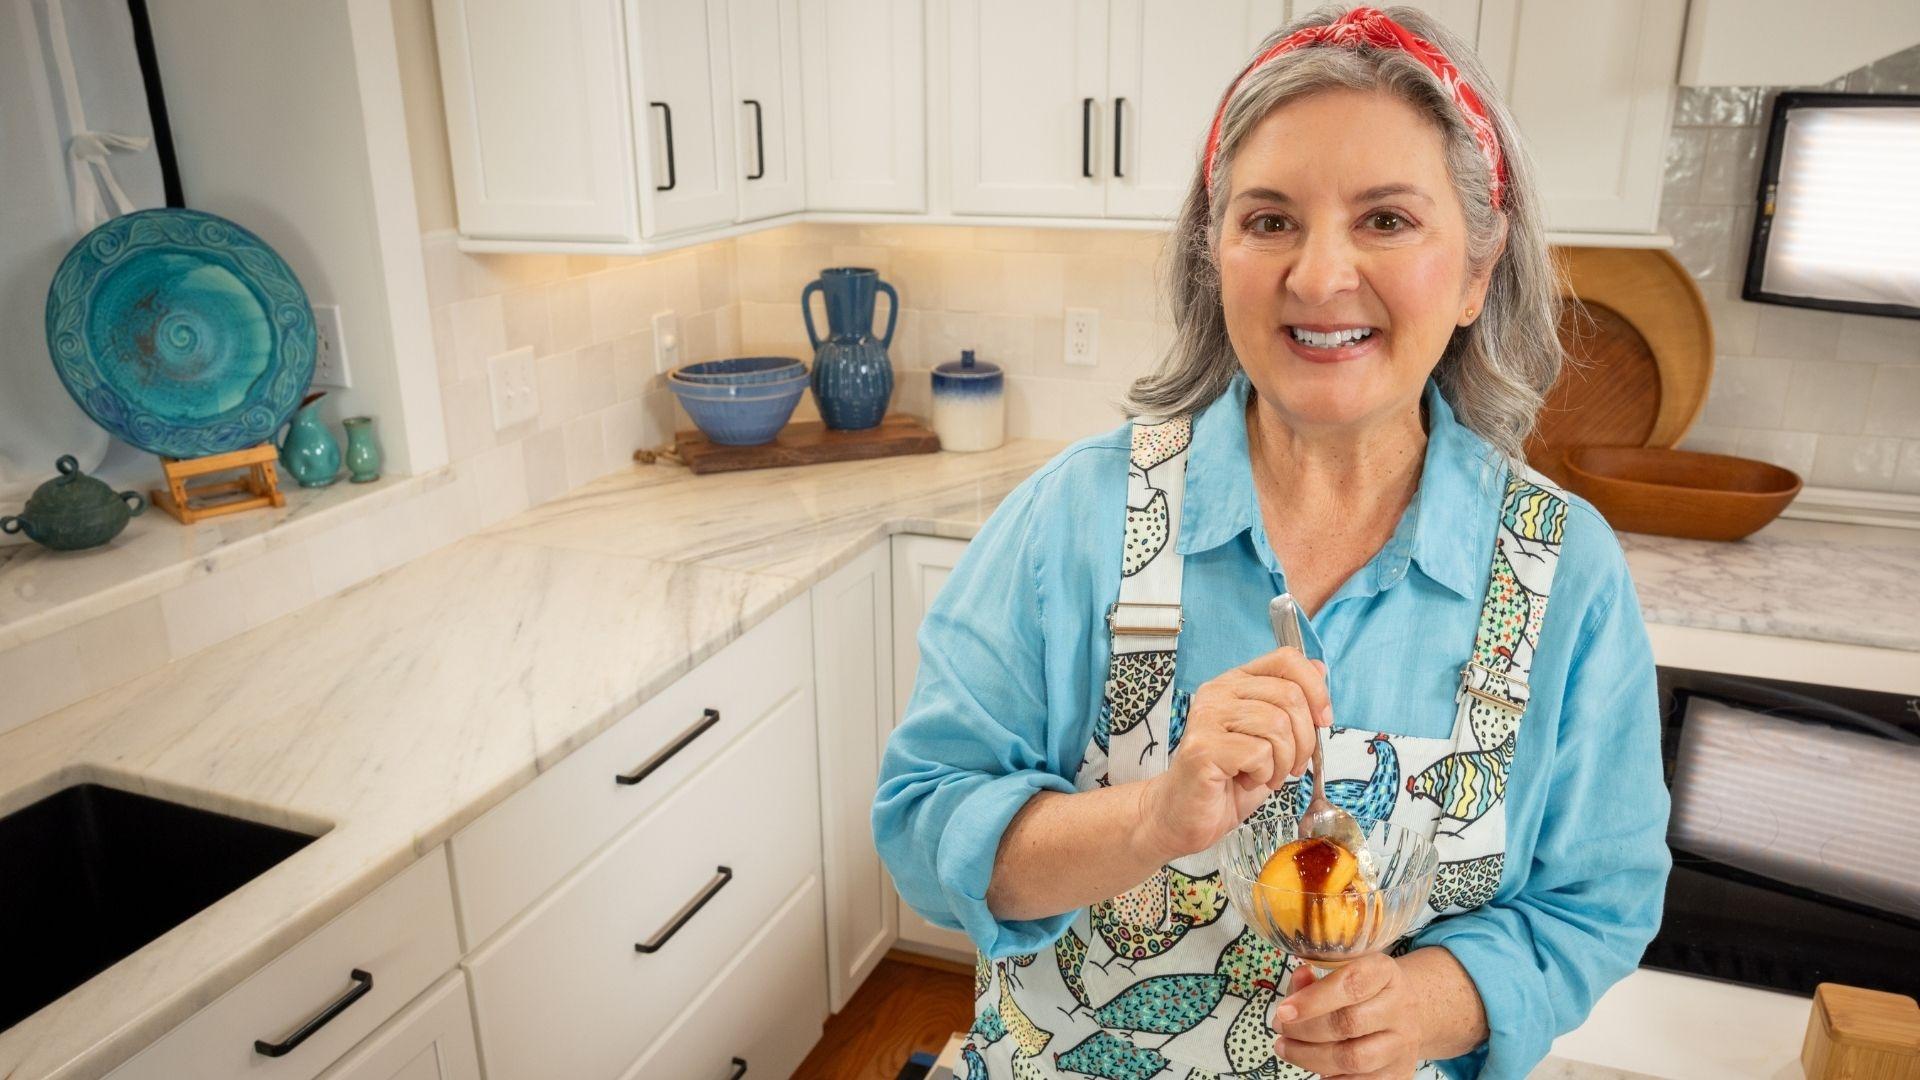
180	332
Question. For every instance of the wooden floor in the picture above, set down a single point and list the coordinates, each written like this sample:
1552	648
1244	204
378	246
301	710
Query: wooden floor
909	1003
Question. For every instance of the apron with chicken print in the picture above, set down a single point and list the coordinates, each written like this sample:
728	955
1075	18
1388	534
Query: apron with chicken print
1165	980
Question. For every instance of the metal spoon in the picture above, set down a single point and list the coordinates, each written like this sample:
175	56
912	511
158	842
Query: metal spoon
1322	818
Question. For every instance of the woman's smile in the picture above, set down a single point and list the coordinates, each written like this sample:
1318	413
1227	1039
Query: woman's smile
1332	344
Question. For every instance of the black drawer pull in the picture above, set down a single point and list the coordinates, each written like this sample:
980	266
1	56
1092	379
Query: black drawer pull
759	141
708	718
721	876
739	1069
1086	137
1119	104
666	119
363	982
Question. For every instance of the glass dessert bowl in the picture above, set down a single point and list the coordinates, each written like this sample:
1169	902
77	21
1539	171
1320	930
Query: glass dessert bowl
1318	901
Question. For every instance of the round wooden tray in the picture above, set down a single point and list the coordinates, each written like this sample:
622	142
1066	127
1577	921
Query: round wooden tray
1640	348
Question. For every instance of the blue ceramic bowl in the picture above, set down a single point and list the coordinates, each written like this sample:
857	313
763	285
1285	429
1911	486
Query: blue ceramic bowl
740	415
740	370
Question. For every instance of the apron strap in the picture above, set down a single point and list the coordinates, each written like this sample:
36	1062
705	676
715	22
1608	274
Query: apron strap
1144	622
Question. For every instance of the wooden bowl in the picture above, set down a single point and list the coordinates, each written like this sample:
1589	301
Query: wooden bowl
1679	492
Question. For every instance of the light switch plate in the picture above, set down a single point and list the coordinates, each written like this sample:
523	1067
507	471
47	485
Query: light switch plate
1082	345
330	349
666	341
516	398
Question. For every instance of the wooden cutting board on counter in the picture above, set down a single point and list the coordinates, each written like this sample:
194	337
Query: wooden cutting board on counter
808	442
1640	356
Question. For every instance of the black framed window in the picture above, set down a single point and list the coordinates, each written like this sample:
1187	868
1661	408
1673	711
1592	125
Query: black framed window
1838	218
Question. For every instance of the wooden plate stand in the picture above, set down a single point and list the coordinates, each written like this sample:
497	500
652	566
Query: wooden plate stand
259	486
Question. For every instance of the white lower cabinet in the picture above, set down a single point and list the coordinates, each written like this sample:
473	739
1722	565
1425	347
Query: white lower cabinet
431	1040
588	978
362	968
920	567
762	1013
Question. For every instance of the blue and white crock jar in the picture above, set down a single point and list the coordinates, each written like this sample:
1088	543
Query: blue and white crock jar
969	404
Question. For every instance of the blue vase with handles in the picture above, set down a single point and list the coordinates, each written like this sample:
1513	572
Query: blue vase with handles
852	377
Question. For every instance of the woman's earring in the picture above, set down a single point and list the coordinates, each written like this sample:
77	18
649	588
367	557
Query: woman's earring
1470	314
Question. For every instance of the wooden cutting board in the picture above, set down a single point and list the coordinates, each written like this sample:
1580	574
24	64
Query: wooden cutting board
808	443
1640	350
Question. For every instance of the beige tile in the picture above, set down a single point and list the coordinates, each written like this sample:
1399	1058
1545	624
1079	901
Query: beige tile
726	330
1713	439
799	266
872	256
1799	333
1120	288
1861	462
569	315
775	329
974	281
1686	158
205	611
440	256
43	675
496	483
279	581
917	275
944	334
546	465
1059	409
1006	340
586	449
699	337
558	383
594	387
759	274
582	265
122	645
612	305
1830	398
446	358
1907	476
714	263
1896	402
1736	322
479	334
1788	449
633	365
1732	166
468	412
908	350
1035	283
526	316
1747	391
1870	339
1701	239
679	276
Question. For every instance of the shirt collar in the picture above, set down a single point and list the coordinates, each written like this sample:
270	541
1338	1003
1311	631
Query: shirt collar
1441	532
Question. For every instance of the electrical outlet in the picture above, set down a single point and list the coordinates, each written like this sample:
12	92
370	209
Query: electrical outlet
1083	336
666	341
330	349
516	398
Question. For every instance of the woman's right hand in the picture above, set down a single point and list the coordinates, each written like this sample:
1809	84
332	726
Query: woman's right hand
1249	731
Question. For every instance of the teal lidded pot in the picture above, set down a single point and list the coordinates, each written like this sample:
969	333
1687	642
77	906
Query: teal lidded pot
73	511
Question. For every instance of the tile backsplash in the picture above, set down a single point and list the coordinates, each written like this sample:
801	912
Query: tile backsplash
1835	397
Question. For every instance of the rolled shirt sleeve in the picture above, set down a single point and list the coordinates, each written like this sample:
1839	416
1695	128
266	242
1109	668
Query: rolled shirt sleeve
973	746
1589	898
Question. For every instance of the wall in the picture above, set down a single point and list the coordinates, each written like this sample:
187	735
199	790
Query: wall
1835	397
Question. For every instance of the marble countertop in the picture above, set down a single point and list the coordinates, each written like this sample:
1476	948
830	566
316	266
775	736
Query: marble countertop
492	658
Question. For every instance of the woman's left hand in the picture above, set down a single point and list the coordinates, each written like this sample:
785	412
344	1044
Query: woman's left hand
1360	1023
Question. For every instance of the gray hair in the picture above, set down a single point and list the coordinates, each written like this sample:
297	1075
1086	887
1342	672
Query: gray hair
1496	371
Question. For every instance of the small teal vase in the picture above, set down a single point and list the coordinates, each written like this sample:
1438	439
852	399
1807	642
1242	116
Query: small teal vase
363	453
852	377
310	453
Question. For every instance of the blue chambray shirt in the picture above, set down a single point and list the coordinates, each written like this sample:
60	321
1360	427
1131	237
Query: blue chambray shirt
1013	657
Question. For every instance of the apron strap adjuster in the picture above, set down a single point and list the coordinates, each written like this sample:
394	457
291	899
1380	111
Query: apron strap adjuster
1145	619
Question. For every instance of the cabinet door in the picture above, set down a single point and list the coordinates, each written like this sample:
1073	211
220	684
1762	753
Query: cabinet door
431	1040
1171	61
921	565
683	114
1028	106
537	125
853	688
765	35
1591	88
864	70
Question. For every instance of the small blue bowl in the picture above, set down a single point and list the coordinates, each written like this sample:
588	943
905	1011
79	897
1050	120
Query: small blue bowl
740	415
740	370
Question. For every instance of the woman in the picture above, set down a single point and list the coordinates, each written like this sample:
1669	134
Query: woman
1366	326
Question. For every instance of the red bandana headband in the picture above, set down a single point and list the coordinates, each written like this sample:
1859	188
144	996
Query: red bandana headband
1366	26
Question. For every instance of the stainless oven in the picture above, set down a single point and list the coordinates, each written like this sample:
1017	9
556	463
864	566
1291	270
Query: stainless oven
1760	894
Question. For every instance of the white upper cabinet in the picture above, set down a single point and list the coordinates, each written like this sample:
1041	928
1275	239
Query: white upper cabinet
1090	107
1170	61
683	111
536	118
864	67
771	167
1591	87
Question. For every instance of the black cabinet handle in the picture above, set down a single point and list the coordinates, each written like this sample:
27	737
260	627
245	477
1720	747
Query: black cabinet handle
739	1069
708	718
1118	103
666	115
363	982
1086	137
721	876
759	140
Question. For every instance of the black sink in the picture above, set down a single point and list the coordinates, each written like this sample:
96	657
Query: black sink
90	873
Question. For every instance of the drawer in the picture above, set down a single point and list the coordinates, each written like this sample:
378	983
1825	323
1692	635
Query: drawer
432	1039
563	991
766	1008
401	935
521	848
